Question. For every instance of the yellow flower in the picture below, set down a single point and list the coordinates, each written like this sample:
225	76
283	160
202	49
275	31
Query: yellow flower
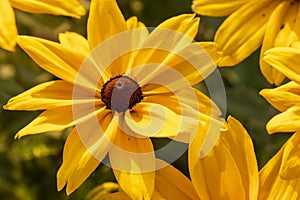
118	88
8	30
286	97
230	171
252	24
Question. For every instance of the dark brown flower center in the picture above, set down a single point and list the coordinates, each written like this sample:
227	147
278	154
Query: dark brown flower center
121	93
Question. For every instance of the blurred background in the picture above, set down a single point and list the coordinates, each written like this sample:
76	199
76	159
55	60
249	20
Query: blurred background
28	166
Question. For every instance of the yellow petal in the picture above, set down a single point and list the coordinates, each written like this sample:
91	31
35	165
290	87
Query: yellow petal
288	121
205	104
216	8
138	31
240	145
289	29
272	186
193	63
191	106
56	7
105	20
47	95
174	34
8	31
242	32
213	50
188	66
210	174
290	166
153	120
188	25
285	60
273	27
133	163
74	150
50	120
85	148
133	23
57	59
170	183
283	97
74	40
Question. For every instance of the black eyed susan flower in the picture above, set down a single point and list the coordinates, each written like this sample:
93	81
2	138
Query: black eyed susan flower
252	24
118	88
8	31
230	171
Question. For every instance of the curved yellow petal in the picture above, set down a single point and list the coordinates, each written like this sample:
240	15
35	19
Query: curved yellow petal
133	162
240	145
170	183
191	97
133	23
173	34
8	31
290	166
205	104
55	7
273	27
288	121
74	151
283	97
186	24
178	70
74	40
212	174
85	148
289	29
216	8
272	186
213	50
105	20
153	120
57	59
192	107
47	95
139	34
242	32
285	60
228	161
186	62
50	120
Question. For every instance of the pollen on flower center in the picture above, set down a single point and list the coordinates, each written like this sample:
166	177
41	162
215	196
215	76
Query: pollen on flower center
121	93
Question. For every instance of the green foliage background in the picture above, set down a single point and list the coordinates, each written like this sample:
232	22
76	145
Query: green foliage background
28	166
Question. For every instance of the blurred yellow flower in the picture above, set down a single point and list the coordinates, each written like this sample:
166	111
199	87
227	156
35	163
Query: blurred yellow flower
252	24
8	30
230	171
118	88
285	98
